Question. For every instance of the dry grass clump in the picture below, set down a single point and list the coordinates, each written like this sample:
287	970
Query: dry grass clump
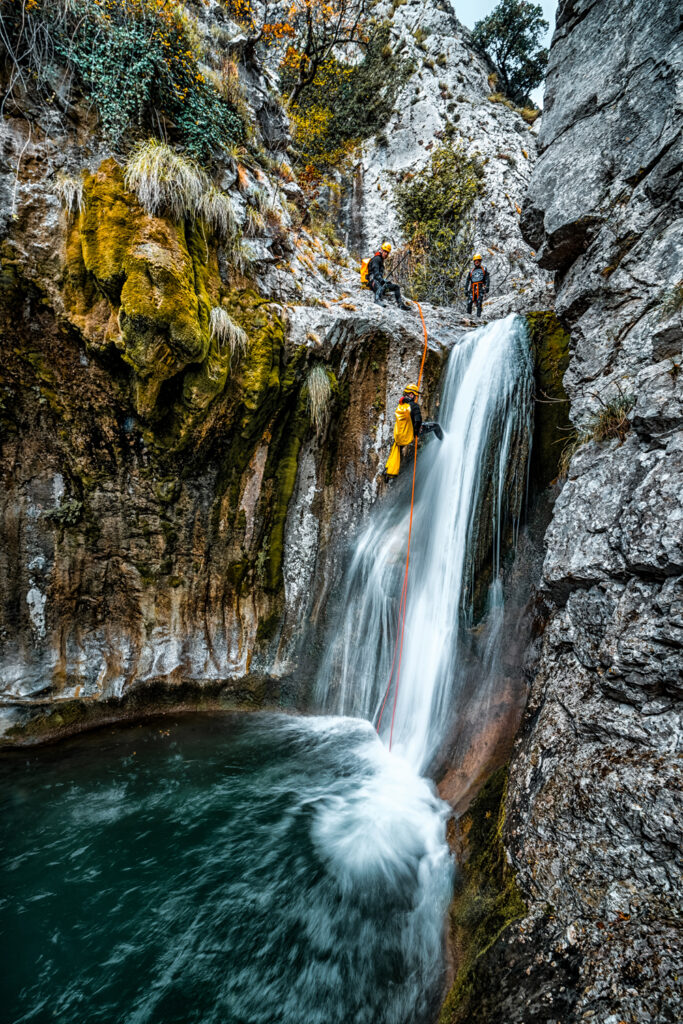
611	423
215	208
227	333
69	191
530	114
254	223
165	181
319	397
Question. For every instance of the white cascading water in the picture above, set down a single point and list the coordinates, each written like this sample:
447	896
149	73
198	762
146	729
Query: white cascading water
486	409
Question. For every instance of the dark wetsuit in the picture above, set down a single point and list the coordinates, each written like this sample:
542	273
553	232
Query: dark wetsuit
477	288
376	280
420	426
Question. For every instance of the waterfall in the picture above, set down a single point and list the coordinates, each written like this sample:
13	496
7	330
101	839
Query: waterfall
477	470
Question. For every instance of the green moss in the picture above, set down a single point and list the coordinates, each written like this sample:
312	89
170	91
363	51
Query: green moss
486	900
145	285
550	351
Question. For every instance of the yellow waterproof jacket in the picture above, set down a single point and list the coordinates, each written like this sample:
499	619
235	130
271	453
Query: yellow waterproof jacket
403	434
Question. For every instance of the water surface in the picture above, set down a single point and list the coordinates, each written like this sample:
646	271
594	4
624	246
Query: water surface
229	869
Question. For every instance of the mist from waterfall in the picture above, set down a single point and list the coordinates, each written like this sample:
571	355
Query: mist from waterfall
485	414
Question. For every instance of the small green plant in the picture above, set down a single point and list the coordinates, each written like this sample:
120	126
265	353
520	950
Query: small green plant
672	303
67	513
319	392
227	333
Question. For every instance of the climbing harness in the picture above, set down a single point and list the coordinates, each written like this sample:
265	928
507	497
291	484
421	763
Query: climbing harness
476	279
404	590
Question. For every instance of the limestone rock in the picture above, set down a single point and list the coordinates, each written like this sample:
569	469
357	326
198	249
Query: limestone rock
594	824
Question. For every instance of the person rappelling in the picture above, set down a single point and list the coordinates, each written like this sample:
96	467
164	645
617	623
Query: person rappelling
372	275
477	285
407	426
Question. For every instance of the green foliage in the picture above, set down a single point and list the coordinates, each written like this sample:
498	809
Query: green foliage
135	59
67	513
433	207
672	303
348	103
510	36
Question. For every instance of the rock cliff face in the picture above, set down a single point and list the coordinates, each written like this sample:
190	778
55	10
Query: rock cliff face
452	95
593	827
169	513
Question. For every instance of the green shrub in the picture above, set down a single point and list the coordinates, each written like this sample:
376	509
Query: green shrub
136	60
433	208
347	103
672	302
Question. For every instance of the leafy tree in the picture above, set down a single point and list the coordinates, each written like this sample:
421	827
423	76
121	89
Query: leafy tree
510	36
346	103
314	33
434	207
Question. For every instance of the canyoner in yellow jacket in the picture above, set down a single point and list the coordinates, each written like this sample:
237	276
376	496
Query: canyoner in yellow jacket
407	426
403	434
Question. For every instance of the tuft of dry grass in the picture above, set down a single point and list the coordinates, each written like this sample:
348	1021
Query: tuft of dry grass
227	333
165	181
69	191
530	114
215	208
254	223
611	423
319	397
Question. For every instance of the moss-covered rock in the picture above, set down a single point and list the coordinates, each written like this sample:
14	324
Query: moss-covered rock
486	899
550	350
145	285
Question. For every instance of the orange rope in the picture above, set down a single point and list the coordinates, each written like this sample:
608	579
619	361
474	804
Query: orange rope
404	590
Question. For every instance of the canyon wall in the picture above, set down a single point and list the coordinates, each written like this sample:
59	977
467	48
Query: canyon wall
172	518
593	826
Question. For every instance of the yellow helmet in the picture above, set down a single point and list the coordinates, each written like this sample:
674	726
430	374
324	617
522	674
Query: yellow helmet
477	256
411	389
386	247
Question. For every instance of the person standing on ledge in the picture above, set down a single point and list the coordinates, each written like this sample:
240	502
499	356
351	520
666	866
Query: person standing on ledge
477	285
